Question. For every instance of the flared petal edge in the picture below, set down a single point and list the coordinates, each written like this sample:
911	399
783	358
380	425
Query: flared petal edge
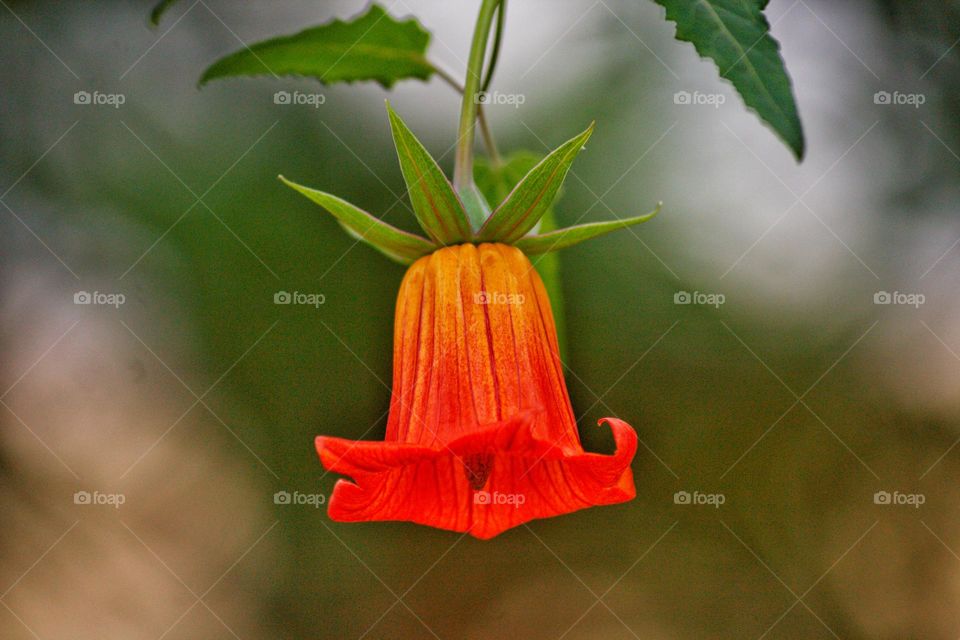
528	478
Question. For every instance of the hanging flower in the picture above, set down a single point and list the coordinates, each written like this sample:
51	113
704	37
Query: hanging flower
481	435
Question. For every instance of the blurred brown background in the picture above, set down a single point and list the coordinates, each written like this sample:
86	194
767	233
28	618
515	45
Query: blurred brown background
145	438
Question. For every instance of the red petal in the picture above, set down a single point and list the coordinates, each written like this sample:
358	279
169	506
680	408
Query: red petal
530	478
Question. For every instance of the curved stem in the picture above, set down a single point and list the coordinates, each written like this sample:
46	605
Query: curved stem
463	167
497	40
488	140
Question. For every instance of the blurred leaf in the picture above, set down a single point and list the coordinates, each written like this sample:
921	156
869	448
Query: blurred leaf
372	46
563	238
159	9
534	195
736	35
394	243
436	205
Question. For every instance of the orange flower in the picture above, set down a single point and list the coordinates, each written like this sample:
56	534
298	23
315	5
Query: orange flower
481	435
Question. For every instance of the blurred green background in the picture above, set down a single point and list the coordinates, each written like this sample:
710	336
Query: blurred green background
197	399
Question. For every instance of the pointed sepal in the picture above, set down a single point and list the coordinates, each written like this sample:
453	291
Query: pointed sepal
563	238
534	195
394	243
435	204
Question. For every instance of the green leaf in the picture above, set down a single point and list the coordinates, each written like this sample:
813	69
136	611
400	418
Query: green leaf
736	35
563	238
436	205
372	46
159	9
534	195
394	243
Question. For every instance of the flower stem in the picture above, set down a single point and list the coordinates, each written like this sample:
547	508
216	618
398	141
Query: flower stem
463	167
488	140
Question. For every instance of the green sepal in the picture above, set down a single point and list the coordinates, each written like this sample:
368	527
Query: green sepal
394	243
435	203
563	238
475	204
534	195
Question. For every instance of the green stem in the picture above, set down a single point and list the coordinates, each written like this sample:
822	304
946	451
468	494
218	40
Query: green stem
485	132
497	41
463	167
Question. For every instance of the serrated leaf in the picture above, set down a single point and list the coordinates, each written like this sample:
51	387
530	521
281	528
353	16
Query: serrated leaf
394	243
534	195
435	204
736	35
373	46
563	238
